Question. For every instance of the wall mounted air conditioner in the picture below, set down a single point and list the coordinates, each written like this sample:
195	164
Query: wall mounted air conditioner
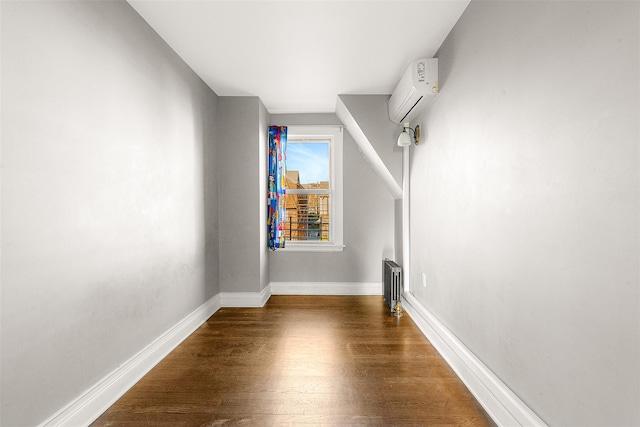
417	88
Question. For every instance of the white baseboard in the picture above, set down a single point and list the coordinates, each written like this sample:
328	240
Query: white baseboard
502	405
89	406
245	299
326	288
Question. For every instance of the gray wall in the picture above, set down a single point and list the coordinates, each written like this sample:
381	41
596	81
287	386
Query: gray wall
525	203
210	190
242	127
368	223
103	202
371	113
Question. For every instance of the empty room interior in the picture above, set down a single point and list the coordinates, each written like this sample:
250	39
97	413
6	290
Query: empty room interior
137	186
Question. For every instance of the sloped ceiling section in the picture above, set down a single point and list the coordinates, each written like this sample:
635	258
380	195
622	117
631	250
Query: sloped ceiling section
366	118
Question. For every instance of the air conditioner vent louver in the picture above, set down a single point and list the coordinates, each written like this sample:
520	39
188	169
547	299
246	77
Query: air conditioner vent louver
404	118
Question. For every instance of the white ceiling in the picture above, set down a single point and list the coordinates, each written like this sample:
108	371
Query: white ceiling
297	56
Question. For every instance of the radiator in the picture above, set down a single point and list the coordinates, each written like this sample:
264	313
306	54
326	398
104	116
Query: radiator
392	279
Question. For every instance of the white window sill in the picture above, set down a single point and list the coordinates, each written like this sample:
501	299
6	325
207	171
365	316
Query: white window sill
301	247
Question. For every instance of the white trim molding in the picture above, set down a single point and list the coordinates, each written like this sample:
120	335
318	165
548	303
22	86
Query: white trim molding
318	247
326	288
245	299
87	407
502	405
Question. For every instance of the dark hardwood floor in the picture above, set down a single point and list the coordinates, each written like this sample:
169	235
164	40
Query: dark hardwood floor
301	360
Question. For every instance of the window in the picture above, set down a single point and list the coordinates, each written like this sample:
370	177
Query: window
314	188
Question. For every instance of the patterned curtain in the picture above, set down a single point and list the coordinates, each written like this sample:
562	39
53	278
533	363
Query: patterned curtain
277	219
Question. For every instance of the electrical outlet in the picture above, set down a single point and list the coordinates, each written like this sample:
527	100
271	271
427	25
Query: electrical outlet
424	280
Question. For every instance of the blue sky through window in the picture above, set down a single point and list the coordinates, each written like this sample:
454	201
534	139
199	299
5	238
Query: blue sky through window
311	159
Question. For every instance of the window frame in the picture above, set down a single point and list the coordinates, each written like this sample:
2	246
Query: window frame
333	134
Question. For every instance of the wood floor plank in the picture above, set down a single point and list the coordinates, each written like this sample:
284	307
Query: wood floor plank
301	361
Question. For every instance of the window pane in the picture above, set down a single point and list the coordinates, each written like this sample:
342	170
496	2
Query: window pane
307	217
314	187
307	164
